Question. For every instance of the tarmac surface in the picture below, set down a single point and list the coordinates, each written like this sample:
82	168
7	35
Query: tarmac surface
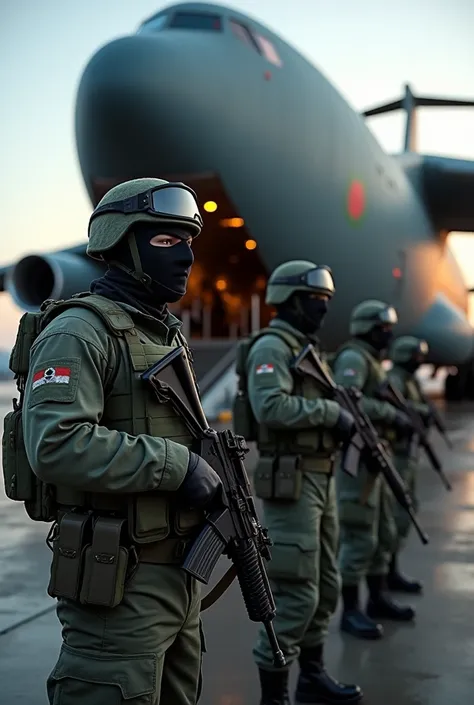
428	663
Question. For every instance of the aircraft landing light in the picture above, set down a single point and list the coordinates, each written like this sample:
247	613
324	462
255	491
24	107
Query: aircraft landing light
250	244
210	206
356	200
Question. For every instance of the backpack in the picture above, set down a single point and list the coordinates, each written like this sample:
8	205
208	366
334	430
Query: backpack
21	483
244	421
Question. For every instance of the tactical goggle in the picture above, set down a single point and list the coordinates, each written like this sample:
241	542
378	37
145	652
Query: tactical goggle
319	279
170	200
388	316
420	352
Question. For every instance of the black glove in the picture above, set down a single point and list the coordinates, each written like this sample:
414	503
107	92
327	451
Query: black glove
201	484
345	425
403	424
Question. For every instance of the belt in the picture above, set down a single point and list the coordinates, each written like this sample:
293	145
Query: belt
169	551
311	463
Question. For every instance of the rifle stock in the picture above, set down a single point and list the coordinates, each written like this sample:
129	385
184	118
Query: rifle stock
233	528
365	441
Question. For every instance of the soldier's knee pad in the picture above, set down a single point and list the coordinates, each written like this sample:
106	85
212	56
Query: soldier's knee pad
294	559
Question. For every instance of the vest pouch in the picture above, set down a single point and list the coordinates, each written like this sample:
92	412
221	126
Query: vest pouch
149	517
288	478
263	477
21	484
18	476
69	546
187	520
105	565
242	417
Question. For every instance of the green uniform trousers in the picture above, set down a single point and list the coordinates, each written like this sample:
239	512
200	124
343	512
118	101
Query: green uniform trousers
368	532
147	650
303	571
407	469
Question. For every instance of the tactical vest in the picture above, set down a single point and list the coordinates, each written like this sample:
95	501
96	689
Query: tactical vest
129	407
411	392
374	381
310	442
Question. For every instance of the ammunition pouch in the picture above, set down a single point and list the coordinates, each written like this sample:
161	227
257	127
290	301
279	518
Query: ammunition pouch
90	559
21	483
281	477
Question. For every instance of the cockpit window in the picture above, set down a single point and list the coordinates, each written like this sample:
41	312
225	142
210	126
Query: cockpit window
267	49
242	33
153	25
196	20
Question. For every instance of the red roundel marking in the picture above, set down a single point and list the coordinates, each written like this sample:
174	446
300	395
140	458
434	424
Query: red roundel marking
356	200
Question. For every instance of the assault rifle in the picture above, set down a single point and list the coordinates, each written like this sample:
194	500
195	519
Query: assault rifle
388	392
233	528
437	420
365	441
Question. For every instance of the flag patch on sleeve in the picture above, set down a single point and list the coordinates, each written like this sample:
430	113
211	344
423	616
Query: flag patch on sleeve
264	369
51	375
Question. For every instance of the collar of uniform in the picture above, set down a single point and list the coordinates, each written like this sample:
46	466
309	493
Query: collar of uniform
168	328
280	323
369	348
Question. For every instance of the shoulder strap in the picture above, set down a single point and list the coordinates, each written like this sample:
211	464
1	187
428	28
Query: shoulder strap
290	339
116	319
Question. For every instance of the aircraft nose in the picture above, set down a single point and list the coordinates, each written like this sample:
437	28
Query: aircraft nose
128	97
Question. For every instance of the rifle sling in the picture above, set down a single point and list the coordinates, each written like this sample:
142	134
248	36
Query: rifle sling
219	589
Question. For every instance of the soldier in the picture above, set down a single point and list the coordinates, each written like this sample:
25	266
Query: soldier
119	459
407	354
368	531
298	434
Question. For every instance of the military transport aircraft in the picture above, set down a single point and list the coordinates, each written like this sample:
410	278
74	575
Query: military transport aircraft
283	168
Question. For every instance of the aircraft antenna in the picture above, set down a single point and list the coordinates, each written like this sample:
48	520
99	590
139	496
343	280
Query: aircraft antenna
409	103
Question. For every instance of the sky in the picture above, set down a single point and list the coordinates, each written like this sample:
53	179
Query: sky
367	48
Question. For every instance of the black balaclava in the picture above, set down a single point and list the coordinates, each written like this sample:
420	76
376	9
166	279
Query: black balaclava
378	338
412	365
303	313
166	269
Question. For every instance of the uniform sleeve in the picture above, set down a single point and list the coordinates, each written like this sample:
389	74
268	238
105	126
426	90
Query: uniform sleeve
270	386
351	369
64	440
399	382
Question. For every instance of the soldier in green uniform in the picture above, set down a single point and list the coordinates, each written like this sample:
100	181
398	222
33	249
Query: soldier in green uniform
130	493
298	435
368	531
407	354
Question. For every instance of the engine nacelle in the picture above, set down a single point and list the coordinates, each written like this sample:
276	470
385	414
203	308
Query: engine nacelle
36	278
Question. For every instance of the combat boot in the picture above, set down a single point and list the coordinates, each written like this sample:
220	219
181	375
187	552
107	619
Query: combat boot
274	687
316	686
381	606
397	582
355	622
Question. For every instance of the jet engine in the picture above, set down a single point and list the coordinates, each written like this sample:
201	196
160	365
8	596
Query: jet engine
57	275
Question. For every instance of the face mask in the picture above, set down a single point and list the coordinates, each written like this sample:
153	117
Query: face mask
380	339
314	312
168	267
412	366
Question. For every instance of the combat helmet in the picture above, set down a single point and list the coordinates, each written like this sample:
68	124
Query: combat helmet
369	314
407	348
298	275
158	201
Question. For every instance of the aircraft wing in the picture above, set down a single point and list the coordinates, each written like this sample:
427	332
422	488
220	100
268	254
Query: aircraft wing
446	187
